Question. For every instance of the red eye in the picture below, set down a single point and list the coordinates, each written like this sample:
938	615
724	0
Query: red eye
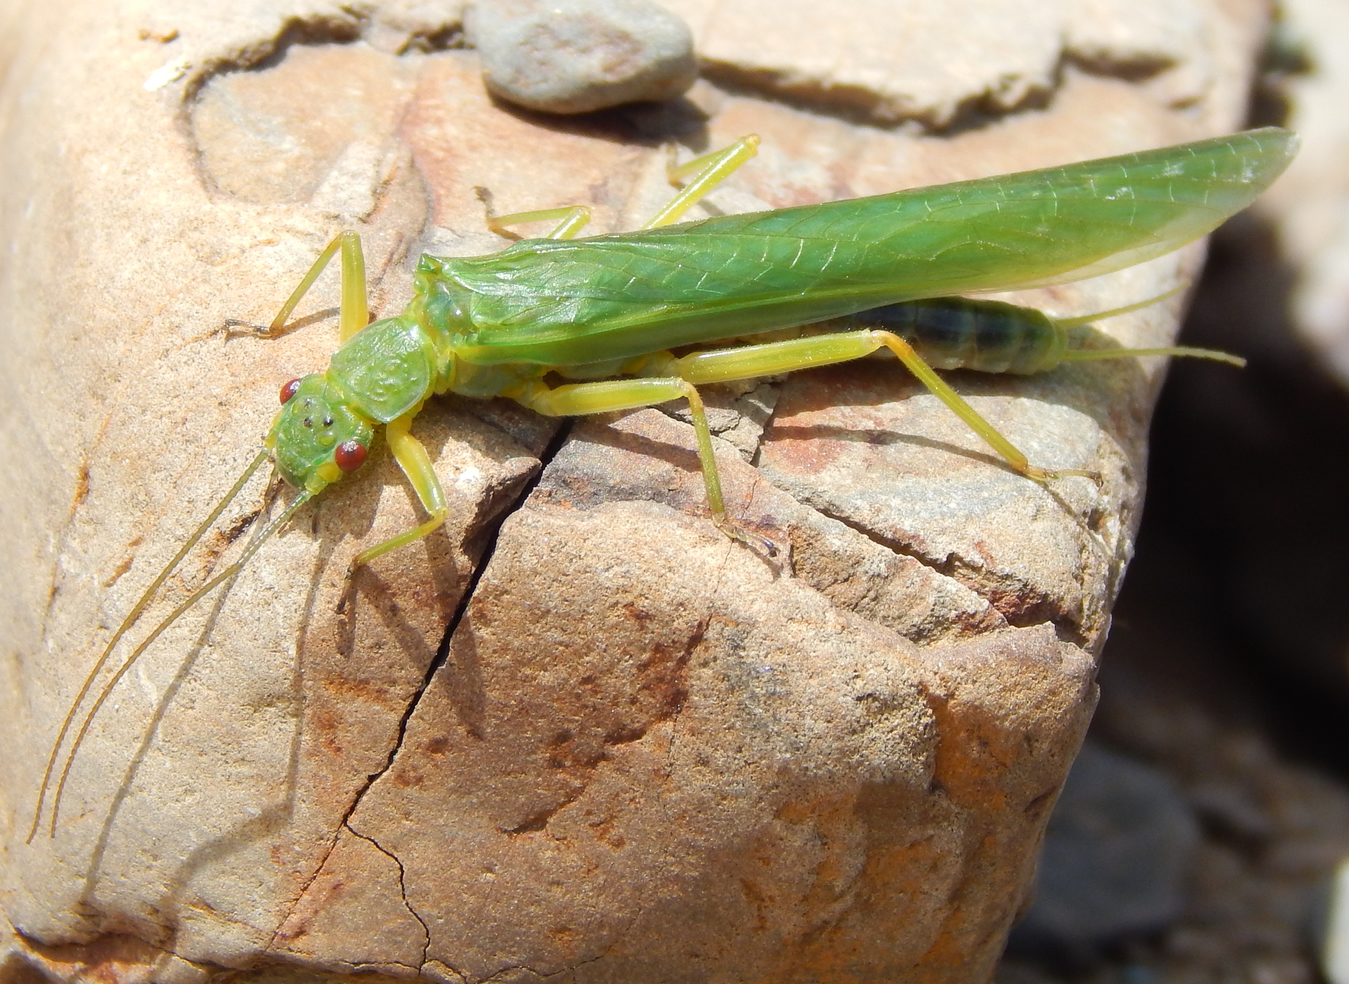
289	390
349	455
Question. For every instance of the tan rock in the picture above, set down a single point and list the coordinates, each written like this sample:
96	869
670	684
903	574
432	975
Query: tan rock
941	63
650	753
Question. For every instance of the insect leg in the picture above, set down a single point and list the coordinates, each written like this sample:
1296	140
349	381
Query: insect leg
416	464
709	171
355	311
577	399
574	218
750	361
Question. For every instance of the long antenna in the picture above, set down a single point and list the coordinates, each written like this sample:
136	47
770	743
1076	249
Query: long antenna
225	575
126	625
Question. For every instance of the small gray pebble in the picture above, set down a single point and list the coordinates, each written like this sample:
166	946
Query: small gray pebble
574	56
1119	847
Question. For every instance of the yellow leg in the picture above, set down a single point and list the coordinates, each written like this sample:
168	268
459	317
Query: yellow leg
751	361
670	378
709	171
355	310
416	464
577	399
929	378
574	218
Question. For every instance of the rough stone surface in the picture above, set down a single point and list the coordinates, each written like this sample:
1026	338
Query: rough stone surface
647	751
574	56
940	63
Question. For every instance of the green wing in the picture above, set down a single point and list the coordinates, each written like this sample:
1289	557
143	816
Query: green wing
617	296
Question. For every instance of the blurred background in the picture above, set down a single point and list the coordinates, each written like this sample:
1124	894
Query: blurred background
1204	832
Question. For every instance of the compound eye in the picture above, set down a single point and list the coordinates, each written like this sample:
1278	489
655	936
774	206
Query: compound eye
289	390
349	456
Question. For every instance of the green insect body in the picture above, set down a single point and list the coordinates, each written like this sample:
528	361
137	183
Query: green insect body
605	311
981	335
997	337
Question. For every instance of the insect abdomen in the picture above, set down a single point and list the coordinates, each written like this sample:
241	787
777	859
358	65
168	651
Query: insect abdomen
958	333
